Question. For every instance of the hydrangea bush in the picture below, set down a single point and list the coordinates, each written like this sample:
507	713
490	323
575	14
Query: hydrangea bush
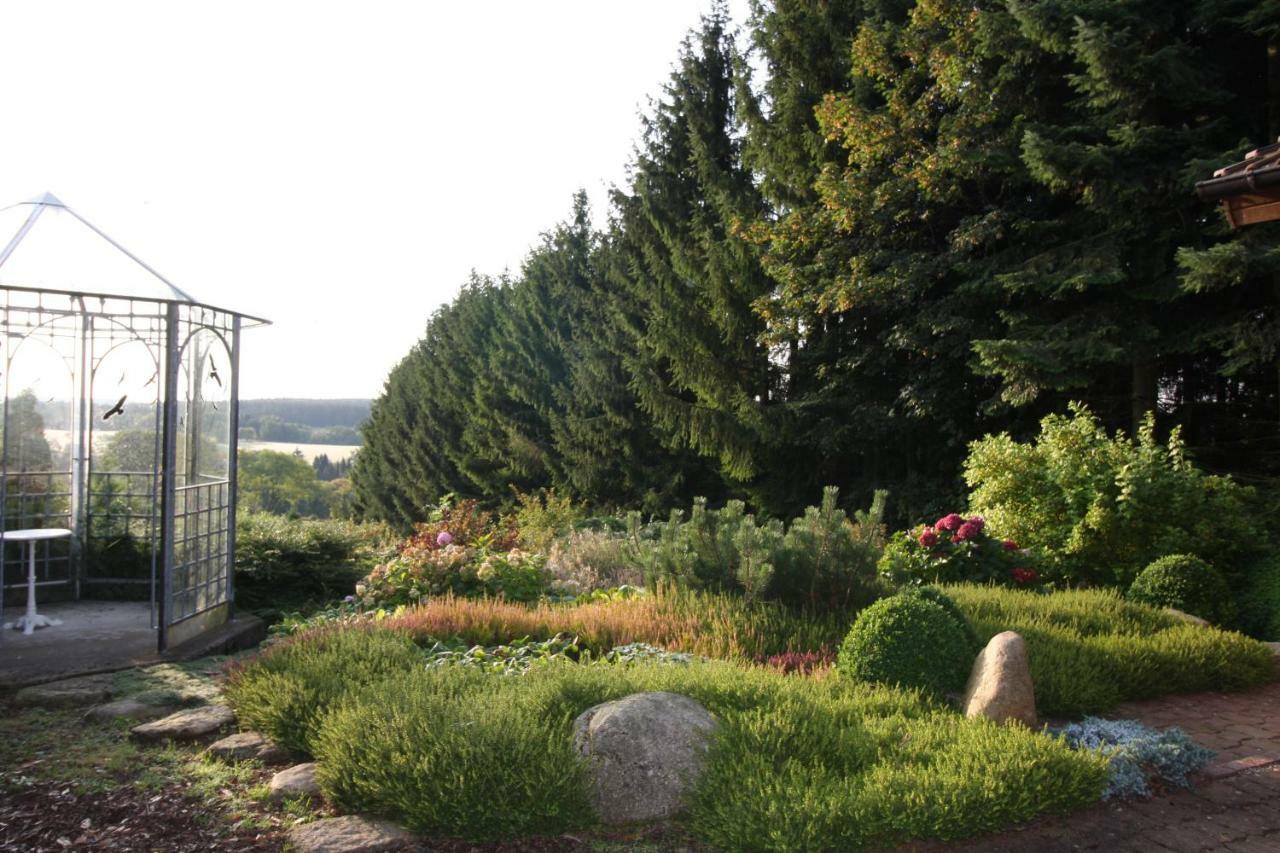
1138	754
955	549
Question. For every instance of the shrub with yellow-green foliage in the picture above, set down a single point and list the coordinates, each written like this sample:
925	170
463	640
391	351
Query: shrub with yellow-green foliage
1091	649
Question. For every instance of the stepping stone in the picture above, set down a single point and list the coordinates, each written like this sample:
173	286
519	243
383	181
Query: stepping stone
348	834
297	781
69	693
126	709
243	746
191	724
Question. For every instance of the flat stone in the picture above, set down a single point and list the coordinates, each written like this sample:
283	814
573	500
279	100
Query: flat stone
243	746
348	834
67	693
126	709
644	754
296	781
191	724
1000	683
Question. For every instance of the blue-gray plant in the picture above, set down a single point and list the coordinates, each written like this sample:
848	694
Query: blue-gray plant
1138	754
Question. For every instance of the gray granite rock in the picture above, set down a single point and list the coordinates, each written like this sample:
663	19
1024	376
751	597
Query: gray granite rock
348	834
188	725
69	693
126	709
1000	683
243	746
644	753
296	781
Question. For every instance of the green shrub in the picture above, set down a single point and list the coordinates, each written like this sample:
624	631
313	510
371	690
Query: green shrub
1091	649
543	517
955	550
287	564
1259	601
908	641
822	561
1186	583
1100	508
285	691
948	604
798	763
419	573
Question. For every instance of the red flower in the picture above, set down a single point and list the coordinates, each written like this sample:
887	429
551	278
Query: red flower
1024	576
950	522
980	521
928	537
968	530
1010	545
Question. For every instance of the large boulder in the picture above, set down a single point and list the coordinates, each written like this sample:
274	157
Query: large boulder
1000	683
348	834
192	724
644	752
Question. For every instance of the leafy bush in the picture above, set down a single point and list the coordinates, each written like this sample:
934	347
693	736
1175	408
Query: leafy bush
953	550
510	658
1138	755
1090	649
543	517
719	626
587	560
908	641
823	561
286	690
948	604
1186	583
1259	601
287	564
419	573
1100	508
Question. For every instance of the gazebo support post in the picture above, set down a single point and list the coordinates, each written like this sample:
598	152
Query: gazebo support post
233	466
168	474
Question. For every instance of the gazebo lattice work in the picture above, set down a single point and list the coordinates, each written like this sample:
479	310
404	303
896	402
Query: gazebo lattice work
119	424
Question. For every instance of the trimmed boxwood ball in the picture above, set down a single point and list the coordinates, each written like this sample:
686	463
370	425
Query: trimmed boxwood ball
908	641
940	598
1187	583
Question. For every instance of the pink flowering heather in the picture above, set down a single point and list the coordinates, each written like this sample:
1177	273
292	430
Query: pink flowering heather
445	538
950	522
967	531
928	537
1009	545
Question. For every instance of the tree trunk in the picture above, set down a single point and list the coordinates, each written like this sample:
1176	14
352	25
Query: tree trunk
1142	398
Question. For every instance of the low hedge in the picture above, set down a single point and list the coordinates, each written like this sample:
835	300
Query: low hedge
1090	649
798	763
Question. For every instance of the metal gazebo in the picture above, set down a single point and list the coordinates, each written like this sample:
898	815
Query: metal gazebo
119	424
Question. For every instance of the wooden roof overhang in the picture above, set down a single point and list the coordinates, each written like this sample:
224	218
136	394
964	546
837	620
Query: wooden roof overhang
1249	190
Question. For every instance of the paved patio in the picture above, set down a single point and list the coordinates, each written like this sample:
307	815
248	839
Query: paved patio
93	636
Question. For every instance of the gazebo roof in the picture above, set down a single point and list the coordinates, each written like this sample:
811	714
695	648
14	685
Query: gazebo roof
46	245
1249	190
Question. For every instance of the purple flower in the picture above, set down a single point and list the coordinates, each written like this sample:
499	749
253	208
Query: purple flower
350	599
445	538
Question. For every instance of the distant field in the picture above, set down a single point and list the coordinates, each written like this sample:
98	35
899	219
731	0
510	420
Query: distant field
58	439
335	452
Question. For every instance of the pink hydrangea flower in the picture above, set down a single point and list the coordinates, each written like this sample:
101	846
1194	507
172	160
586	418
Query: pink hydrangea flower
967	531
950	522
444	538
928	537
1009	545
1024	576
980	521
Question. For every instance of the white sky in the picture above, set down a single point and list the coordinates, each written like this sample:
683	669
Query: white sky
336	168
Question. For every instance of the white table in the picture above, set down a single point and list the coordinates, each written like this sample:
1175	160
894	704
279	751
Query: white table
33	620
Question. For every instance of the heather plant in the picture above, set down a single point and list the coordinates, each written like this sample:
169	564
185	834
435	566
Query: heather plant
1138	755
1098	508
1188	584
956	549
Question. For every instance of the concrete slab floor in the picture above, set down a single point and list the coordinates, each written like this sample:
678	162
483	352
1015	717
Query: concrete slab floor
93	636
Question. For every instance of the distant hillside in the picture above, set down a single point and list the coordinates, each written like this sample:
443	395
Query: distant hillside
312	413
